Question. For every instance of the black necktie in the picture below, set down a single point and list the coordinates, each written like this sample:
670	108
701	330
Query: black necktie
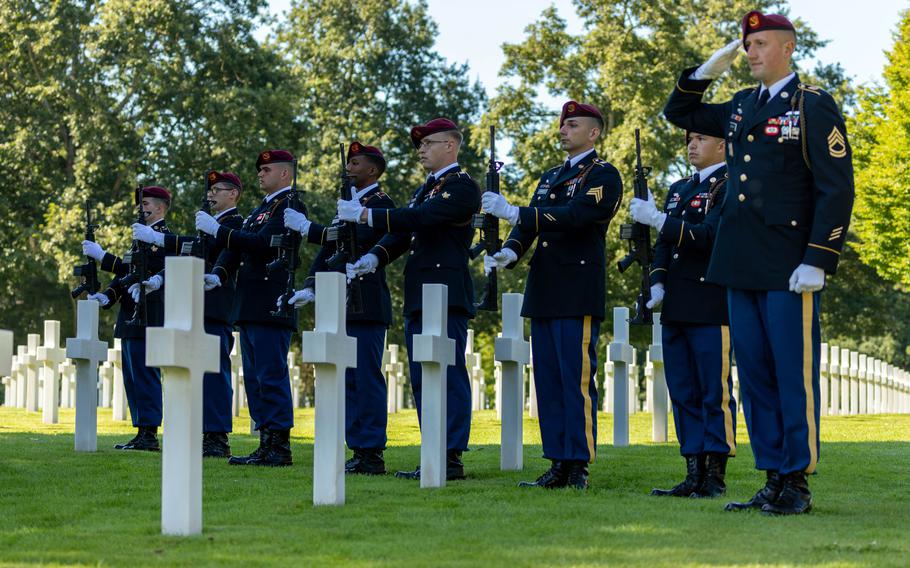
763	98
696	179
430	180
565	167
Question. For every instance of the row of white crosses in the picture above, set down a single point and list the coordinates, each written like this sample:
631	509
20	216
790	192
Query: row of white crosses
853	383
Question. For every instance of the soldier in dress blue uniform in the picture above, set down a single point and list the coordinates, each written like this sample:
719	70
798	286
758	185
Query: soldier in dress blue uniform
436	231
694	322
366	394
565	292
217	392
782	227
141	383
265	337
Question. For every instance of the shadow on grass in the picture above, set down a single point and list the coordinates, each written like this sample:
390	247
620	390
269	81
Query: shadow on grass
104	508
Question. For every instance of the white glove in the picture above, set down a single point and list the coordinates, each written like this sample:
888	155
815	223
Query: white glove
350	210
92	250
152	284
807	278
211	281
498	260
206	223
300	298
297	221
147	234
102	299
646	212
497	205
718	63
657	296
366	264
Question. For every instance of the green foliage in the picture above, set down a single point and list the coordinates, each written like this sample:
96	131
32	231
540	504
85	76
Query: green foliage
881	154
103	509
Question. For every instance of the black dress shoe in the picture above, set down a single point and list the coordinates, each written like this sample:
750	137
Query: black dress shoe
553	478
765	495
454	465
794	499
215	445
279	452
695	473
145	441
409	474
264	442
366	462
712	485
577	475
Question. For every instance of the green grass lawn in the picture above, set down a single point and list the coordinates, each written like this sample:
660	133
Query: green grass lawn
61	508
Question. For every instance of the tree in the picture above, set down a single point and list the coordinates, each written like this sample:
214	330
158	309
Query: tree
881	152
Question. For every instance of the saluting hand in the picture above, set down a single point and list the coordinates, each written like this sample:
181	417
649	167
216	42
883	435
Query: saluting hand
807	278
498	260
646	212
350	211
147	234
92	250
719	62
497	205
206	223
296	221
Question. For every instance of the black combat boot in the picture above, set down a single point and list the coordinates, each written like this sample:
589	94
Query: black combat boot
366	461
794	499
129	444
415	474
279	452
765	495
454	465
145	441
695	473
577	474
264	442
215	445
712	485
553	478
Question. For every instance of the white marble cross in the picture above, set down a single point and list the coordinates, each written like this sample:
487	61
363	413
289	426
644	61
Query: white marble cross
331	351
50	355
532	388
21	374
86	350
236	362
513	351
184	352
6	366
854	383
119	403
824	374
31	373
67	386
659	395
391	373
620	353
435	351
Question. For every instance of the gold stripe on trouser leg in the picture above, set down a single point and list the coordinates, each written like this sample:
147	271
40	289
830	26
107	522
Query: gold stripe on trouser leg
586	383
807	380
725	388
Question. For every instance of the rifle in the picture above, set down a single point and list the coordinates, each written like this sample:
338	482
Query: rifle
288	245
640	249
489	233
197	247
345	237
137	258
89	270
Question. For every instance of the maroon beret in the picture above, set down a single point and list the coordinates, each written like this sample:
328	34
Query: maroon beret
755	21
154	191
358	149
226	177
273	157
419	132
572	109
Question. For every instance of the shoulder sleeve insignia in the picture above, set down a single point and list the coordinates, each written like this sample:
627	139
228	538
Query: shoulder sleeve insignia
837	144
596	192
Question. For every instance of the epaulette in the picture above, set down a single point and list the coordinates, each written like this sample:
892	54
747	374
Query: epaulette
600	162
811	89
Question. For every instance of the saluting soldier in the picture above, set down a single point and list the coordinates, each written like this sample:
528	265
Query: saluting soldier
366	393
265	337
565	292
782	227
694	323
141	383
436	230
217	392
